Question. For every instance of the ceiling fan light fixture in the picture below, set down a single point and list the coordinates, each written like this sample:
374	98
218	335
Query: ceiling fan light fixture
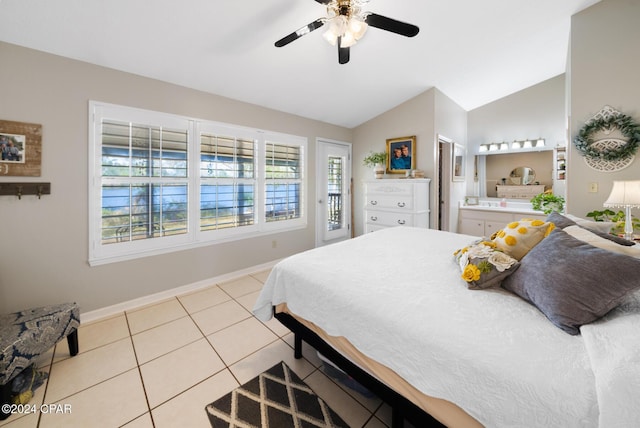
347	40
357	27
330	37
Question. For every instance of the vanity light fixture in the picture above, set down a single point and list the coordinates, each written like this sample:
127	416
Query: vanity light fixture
513	147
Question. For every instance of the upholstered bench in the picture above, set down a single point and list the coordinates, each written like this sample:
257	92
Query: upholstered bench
27	334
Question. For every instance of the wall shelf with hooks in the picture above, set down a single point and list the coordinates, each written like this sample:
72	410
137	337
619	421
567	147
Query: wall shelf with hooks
24	189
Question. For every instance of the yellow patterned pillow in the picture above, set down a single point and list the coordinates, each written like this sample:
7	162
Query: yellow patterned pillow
519	237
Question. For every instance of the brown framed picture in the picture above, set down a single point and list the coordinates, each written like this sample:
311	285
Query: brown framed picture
21	149
401	155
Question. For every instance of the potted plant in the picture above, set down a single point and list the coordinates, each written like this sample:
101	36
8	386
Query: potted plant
377	161
547	202
618	217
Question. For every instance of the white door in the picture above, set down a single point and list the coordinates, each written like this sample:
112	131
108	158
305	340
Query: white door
333	192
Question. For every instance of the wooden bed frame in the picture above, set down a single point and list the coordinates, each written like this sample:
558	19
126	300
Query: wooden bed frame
402	408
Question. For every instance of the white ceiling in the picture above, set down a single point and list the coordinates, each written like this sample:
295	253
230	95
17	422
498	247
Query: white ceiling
473	51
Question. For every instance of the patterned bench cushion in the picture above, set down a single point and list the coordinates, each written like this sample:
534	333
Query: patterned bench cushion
27	334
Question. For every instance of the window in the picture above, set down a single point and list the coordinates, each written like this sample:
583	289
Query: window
162	182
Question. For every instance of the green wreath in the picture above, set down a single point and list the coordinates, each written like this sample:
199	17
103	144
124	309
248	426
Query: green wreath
624	123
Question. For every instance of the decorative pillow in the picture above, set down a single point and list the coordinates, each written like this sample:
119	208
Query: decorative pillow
594	239
562	222
571	282
483	266
596	226
519	237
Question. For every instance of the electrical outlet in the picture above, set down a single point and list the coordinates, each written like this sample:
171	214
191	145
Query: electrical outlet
593	187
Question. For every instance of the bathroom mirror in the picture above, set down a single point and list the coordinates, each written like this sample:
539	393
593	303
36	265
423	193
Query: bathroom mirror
522	175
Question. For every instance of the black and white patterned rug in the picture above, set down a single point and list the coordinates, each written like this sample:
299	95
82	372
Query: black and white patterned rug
277	398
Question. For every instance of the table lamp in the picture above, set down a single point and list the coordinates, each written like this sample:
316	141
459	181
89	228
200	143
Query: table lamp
625	194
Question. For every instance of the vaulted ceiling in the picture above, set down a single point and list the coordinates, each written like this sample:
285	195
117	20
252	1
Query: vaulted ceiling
473	51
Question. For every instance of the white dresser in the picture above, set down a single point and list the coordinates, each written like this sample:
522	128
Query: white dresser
396	202
519	192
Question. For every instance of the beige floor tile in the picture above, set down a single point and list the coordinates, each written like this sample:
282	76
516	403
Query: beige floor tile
267	357
241	339
241	286
375	423
261	276
277	327
165	338
22	421
89	368
308	351
175	372
143	421
203	299
155	315
187	409
342	403
220	316
248	300
109	404
96	334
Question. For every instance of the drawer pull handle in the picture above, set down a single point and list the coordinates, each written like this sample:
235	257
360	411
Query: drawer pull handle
401	204
374	218
401	221
374	202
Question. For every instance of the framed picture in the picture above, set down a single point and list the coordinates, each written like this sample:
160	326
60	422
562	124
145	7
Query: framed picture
20	149
401	155
458	163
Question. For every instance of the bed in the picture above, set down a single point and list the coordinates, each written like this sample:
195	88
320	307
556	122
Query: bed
392	309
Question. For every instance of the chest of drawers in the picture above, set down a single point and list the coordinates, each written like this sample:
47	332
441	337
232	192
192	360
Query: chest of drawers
396	202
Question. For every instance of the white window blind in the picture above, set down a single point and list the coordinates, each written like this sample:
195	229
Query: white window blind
160	182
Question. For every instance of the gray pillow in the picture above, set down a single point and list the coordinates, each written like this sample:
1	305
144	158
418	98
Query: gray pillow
571	282
561	221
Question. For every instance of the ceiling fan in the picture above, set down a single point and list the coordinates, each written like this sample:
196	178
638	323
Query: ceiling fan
347	24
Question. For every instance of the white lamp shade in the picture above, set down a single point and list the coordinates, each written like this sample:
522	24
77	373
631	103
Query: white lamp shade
624	194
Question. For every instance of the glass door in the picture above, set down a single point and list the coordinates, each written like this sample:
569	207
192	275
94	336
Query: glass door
333	213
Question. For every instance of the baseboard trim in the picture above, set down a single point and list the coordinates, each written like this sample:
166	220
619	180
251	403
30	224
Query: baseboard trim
119	308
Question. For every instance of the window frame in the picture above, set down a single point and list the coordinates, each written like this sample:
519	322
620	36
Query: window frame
100	253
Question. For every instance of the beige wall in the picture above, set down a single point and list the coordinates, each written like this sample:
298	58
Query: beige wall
604	71
425	116
44	242
414	117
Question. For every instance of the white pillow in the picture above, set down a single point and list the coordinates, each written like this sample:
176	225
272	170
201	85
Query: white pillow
599	226
592	239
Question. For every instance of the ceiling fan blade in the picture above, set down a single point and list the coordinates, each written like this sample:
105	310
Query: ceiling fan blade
343	53
324	1
392	25
300	32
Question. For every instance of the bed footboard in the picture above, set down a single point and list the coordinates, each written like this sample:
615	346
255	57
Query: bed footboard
401	406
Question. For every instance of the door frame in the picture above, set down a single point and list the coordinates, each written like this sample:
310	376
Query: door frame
442	187
320	190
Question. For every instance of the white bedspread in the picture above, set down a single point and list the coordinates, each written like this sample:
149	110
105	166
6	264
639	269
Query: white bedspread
613	344
397	295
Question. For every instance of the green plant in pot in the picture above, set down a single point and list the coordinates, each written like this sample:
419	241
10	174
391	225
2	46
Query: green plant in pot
376	160
617	217
547	202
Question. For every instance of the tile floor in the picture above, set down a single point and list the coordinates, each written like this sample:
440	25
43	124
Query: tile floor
159	366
